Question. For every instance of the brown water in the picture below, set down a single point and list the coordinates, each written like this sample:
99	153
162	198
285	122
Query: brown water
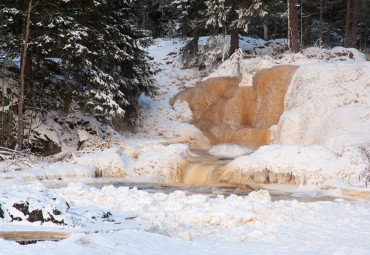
213	192
200	177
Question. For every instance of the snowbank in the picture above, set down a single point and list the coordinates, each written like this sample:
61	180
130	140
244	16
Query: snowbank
297	164
327	104
164	165
202	218
240	66
56	171
158	119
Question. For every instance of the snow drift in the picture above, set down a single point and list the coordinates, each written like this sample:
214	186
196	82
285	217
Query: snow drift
327	104
326	118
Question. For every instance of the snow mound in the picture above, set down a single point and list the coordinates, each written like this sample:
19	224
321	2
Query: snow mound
193	217
164	165
205	219
28	207
56	171
327	104
298	164
229	150
335	54
109	164
33	206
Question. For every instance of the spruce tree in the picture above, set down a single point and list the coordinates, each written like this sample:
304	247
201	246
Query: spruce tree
80	52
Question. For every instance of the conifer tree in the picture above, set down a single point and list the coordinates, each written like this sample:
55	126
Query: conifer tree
81	52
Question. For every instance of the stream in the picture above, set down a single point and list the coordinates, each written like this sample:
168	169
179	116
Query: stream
197	179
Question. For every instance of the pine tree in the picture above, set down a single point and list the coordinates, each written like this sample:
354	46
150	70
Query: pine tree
76	58
232	15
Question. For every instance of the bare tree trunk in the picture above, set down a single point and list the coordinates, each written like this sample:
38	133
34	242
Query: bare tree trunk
265	30
348	21
3	104
354	24
307	30
320	26
234	34
293	26
21	89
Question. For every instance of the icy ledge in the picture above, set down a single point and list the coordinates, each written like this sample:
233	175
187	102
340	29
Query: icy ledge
297	164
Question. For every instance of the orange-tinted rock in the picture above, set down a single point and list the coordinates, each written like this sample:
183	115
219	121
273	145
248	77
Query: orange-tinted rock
227	113
271	86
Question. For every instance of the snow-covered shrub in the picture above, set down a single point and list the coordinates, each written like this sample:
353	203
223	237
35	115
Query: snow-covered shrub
334	54
190	54
213	51
274	47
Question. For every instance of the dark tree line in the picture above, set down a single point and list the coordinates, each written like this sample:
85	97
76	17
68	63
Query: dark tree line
314	22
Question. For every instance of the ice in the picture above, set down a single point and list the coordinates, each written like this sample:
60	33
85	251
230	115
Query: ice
229	150
327	104
326	118
309	165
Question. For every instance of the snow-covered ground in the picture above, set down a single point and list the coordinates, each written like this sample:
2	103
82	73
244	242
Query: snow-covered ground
323	140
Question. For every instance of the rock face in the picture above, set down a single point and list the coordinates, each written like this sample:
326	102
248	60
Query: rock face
44	146
227	113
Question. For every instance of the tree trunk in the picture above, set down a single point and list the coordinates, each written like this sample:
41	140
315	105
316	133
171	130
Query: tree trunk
21	89
354	24
265	30
3	103
320	25
293	26
307	30
348	21
234	34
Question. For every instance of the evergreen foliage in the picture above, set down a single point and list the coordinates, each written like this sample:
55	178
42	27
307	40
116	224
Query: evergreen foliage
88	54
84	53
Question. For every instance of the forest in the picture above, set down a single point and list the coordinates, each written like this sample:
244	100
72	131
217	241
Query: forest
89	56
184	127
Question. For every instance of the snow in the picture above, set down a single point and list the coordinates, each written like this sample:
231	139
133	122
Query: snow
342	121
200	224
158	118
322	140
310	165
161	165
229	150
52	171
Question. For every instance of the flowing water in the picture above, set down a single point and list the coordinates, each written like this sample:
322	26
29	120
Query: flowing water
199	178
227	113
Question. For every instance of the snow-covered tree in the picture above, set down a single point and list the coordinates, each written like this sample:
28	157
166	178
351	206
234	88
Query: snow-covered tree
81	52
232	15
